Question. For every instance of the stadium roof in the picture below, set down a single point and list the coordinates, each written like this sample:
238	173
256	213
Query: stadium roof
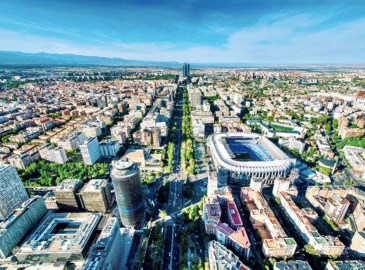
280	163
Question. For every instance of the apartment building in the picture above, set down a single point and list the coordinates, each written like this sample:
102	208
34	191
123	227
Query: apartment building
358	243
324	244
95	196
90	150
339	202
109	148
275	241
67	195
233	235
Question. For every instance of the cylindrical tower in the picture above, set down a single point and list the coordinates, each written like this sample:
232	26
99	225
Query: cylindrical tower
128	191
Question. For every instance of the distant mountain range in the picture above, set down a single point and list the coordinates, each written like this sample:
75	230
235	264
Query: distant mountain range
49	59
13	58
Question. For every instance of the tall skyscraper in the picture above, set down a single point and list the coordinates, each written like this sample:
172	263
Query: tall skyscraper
12	191
90	150
186	70
128	190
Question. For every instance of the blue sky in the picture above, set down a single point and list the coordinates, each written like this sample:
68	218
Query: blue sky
205	31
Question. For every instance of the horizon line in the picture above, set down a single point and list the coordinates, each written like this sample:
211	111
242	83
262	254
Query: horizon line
178	62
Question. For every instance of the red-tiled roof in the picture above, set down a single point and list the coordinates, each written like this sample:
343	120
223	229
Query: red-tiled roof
225	229
241	238
233	213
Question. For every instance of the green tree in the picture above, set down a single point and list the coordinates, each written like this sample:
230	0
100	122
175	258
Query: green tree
272	261
335	123
162	214
310	250
170	156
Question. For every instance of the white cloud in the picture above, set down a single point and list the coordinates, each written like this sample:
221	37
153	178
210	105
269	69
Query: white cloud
295	39
281	38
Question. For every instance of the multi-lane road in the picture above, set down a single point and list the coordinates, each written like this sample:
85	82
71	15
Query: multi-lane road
175	203
171	248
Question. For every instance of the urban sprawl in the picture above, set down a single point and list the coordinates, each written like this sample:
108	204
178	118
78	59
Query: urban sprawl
192	168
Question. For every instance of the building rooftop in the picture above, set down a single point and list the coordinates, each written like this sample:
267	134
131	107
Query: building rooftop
289	241
224	228
295	210
109	142
88	140
101	249
259	209
327	162
43	266
213	211
123	165
233	213
222	258
123	168
240	237
60	233
70	135
3	167
293	265
68	185
348	265
17	213
94	185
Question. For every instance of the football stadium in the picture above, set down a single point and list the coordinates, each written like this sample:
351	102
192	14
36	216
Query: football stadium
242	156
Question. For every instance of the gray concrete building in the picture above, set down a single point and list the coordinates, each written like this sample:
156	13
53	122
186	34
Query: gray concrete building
67	194
60	237
17	226
111	248
96	196
12	191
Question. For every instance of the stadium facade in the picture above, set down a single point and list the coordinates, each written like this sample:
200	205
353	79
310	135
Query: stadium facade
239	157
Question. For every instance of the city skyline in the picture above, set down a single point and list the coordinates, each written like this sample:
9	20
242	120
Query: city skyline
187	135
138	167
195	31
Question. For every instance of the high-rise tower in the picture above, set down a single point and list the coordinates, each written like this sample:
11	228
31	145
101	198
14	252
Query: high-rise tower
128	190
186	70
12	191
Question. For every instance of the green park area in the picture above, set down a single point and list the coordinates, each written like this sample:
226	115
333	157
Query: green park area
44	173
